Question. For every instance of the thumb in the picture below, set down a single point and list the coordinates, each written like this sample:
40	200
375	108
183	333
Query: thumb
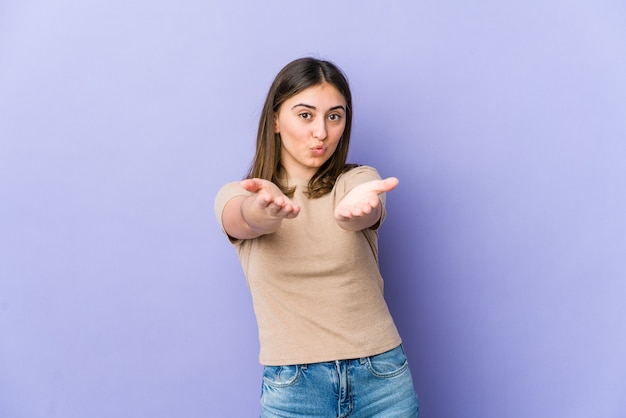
389	184
252	185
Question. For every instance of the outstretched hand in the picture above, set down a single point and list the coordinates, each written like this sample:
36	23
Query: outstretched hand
270	199
363	199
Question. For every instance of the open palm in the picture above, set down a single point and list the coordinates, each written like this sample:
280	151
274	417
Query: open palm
363	198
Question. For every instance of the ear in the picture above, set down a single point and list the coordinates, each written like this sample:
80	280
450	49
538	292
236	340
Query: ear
276	127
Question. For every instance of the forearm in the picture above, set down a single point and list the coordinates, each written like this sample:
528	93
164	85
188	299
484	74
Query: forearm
243	219
257	220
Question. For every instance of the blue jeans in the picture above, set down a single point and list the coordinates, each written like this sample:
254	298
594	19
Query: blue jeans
377	386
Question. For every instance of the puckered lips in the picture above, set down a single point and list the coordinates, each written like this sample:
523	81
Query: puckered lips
318	150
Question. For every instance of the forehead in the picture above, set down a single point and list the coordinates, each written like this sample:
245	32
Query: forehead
322	95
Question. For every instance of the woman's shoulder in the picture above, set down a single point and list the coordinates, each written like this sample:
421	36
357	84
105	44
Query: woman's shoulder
359	173
354	176
227	192
233	187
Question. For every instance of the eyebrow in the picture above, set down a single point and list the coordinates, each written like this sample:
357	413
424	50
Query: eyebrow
314	108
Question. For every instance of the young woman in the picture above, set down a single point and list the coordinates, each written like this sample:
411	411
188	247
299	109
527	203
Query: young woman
304	224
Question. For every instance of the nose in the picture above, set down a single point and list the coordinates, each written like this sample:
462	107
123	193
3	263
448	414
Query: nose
319	129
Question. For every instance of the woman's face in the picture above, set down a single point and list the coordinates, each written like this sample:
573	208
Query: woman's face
310	125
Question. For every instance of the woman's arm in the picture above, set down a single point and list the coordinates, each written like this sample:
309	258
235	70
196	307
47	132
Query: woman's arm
361	207
246	217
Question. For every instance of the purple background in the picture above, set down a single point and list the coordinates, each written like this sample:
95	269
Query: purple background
504	251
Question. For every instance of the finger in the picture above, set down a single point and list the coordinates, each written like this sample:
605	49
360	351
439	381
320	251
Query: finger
352	212
390	183
373	201
251	185
286	211
289	211
295	211
280	201
382	186
342	217
341	214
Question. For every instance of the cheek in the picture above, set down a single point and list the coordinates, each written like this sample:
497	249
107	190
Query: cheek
338	132
335	145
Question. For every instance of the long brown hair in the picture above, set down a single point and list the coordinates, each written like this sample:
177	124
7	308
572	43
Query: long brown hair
294	78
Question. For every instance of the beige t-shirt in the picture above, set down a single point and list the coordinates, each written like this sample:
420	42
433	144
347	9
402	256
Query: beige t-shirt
316	288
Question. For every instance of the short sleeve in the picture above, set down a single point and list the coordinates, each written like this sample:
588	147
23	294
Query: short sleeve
224	195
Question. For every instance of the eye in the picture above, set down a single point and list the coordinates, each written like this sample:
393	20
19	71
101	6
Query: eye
334	116
305	115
